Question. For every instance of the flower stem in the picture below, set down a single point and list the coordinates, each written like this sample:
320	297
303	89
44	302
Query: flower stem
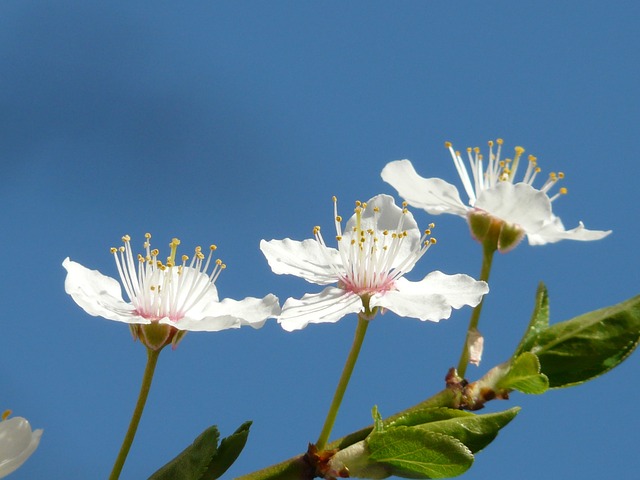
152	360
361	330
488	249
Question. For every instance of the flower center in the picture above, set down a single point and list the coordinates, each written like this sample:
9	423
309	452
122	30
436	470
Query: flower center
165	290
498	170
372	258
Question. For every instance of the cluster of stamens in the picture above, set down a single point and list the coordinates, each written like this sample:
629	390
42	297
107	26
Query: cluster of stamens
498	170
158	289
369	256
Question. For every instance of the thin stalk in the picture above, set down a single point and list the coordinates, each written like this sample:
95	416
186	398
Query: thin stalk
361	330
147	377
488	249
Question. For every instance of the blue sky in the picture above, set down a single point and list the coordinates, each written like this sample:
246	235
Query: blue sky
229	122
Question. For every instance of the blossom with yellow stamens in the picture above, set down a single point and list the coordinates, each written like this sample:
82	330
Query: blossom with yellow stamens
166	299
380	244
518	207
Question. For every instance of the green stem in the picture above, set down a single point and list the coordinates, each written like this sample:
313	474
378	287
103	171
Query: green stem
152	360
488	249
361	329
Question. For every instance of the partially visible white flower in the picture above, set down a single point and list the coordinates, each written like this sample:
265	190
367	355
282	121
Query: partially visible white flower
182	296
17	443
380	244
491	190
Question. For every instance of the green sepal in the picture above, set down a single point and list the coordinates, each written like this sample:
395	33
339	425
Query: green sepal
410	452
524	375
474	431
539	320
585	347
204	459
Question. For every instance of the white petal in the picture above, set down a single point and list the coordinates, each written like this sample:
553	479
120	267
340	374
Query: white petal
433	297
520	204
431	194
304	259
17	443
328	306
554	232
230	314
388	218
97	294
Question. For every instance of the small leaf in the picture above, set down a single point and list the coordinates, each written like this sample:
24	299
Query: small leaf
378	424
193	461
474	431
228	451
539	320
589	345
426	415
411	452
524	375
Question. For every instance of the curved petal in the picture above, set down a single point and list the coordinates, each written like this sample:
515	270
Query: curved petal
97	294
328	306
431	194
519	203
554	232
17	443
230	313
304	259
388	217
433	297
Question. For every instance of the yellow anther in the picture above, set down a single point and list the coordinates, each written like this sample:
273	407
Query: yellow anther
121	249
432	225
364	205
200	255
499	141
447	144
405	210
334	198
404	204
538	170
6	414
185	258
219	262
140	258
339	238
223	266
553	176
560	175
338	218
433	241
358	203
198	249
152	288
476	150
113	249
213	248
316	230
490	142
457	153
563	191
155	252
385	232
427	232
469	149
126	238
353	241
376	209
519	151
147	236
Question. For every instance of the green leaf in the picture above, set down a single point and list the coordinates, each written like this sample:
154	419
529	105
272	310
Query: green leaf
474	431
193	461
228	451
524	375
539	320
589	345
411	452
426	415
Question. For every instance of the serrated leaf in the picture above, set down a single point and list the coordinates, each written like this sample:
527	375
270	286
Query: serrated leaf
474	431
589	345
524	375
193	461
411	452
228	451
539	320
